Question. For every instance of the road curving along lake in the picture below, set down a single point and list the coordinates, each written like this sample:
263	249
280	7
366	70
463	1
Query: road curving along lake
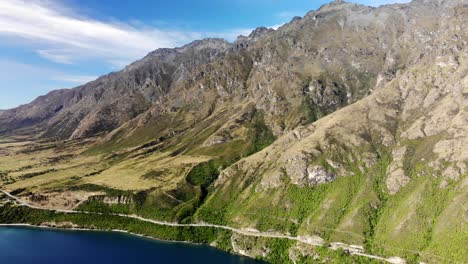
24	245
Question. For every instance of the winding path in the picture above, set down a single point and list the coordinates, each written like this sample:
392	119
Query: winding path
314	241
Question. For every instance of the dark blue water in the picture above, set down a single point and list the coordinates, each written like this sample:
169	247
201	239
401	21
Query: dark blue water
20	245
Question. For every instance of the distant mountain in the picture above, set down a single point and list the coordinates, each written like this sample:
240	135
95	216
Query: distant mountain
350	123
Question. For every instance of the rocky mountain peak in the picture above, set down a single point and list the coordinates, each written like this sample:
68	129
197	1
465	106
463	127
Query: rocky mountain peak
246	41
260	32
207	43
333	8
296	18
335	5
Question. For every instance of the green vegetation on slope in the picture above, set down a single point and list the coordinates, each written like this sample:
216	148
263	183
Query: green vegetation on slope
20	214
220	238
354	209
181	203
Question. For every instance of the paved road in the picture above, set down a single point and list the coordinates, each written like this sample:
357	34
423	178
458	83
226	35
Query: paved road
314	241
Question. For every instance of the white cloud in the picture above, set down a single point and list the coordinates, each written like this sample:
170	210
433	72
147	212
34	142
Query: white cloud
13	71
59	35
57	55
76	79
275	27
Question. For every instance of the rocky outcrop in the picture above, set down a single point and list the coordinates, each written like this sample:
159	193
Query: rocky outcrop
117	200
243	42
397	177
319	175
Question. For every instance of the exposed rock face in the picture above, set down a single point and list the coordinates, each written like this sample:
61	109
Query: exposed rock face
319	175
396	175
243	42
112	199
302	173
117	200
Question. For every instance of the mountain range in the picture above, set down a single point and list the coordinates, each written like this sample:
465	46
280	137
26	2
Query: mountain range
349	124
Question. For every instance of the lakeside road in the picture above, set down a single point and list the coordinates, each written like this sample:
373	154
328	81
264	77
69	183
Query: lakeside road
314	241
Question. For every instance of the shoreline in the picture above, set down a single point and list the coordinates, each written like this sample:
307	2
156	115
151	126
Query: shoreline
256	233
109	231
125	232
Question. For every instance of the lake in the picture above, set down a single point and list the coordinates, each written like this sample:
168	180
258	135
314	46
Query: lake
20	245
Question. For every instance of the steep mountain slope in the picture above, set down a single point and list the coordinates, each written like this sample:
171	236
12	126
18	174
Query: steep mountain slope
389	171
349	124
109	101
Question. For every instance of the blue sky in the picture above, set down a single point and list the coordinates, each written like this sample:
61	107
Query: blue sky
51	44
